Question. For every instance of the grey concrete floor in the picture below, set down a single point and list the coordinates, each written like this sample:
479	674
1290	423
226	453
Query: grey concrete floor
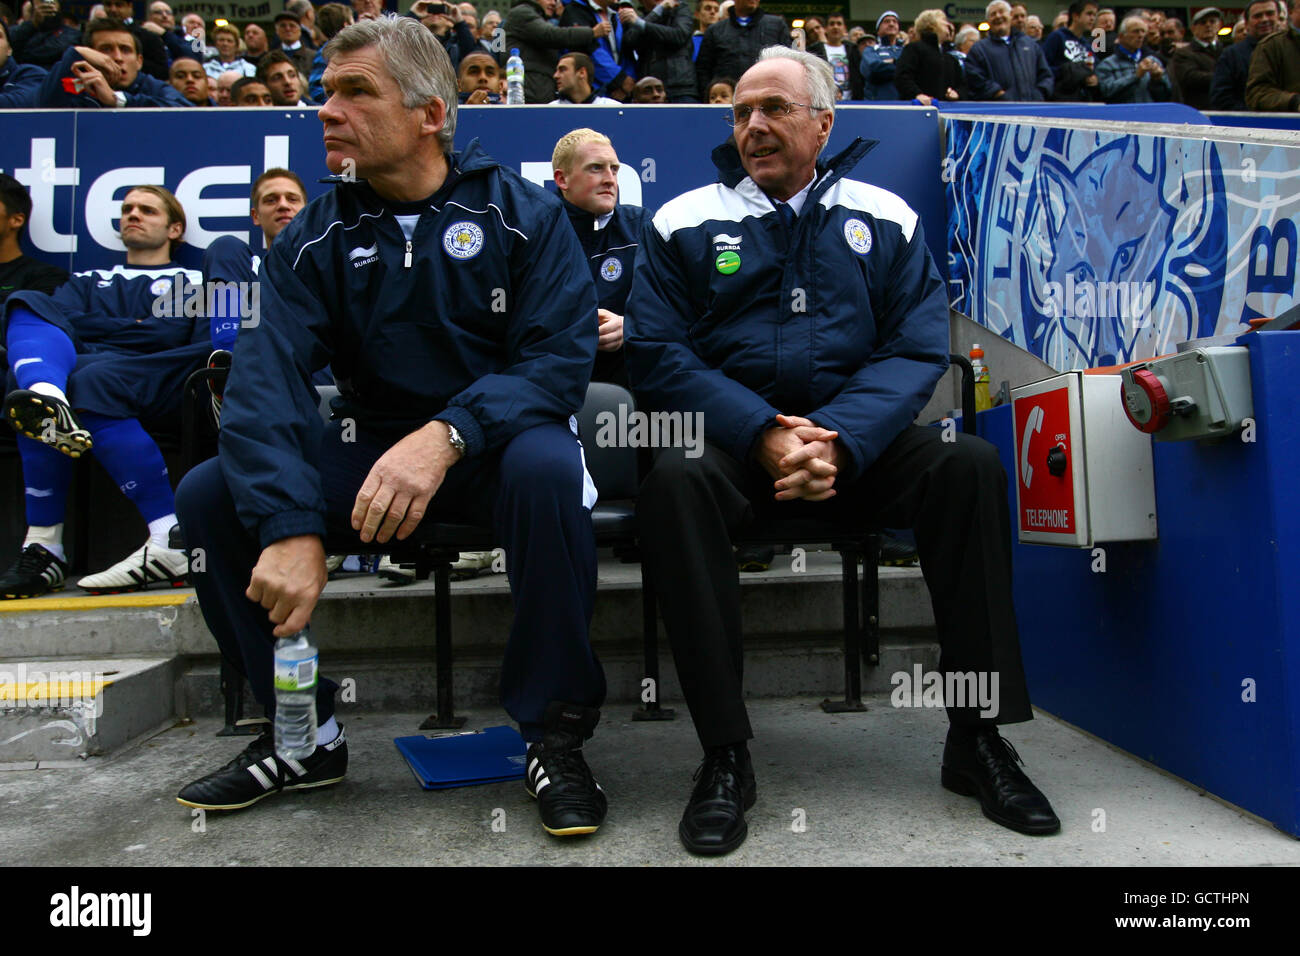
864	786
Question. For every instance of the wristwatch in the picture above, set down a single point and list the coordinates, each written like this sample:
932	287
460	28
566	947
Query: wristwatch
453	436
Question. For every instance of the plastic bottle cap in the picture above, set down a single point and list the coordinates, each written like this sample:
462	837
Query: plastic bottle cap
514	51
976	352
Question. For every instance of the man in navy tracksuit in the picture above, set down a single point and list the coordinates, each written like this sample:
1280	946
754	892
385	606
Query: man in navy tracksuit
801	313
586	173
452	301
88	363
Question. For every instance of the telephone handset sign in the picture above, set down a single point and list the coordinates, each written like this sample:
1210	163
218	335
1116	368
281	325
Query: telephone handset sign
1033	425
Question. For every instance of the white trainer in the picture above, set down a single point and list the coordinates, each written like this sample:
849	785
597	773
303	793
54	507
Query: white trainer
148	565
470	564
390	570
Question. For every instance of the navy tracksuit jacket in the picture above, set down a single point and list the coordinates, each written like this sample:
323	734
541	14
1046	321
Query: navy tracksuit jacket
484	319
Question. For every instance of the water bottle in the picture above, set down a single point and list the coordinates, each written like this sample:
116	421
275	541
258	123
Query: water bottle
514	78
295	696
982	399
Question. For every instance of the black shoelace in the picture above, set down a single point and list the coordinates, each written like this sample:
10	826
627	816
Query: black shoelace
34	560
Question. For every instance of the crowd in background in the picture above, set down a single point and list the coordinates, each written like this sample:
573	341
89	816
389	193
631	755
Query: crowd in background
604	52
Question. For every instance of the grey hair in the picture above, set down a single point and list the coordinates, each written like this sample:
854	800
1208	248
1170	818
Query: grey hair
996	3
963	35
821	81
1132	18
418	63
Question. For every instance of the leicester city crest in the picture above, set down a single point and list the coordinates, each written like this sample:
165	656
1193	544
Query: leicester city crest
611	269
858	236
463	240
157	287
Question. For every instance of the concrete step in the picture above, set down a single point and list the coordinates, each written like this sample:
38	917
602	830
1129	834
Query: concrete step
386	683
362	614
54	712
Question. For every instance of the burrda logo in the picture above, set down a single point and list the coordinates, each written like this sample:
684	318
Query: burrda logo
364	255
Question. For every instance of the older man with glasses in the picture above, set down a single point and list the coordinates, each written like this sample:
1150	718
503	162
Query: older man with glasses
802	314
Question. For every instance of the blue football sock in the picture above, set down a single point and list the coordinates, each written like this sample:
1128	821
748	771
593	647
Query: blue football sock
38	351
133	460
47	474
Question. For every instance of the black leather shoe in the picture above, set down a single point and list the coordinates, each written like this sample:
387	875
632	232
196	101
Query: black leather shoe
714	821
981	764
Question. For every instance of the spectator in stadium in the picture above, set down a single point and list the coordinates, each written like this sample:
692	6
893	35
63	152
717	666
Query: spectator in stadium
105	73
162	23
1273	83
250	91
293	42
586	172
17	270
306	14
225	38
706	14
853	453
573	82
42	40
1018	17
814	36
721	90
368	9
880	61
279	73
20	83
1005	68
613	76
256	43
190	80
732	44
478	81
1068	52
151	45
222	87
489	41
1172	36
839	54
1107	23
195	32
649	89
87	363
925	72
1060	20
966	38
452	32
1033	28
1191	68
1133	73
464	421
330	19
659	38
539	43
1228	90
469	14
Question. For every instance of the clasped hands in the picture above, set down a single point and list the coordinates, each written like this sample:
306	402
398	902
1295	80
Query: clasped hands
801	456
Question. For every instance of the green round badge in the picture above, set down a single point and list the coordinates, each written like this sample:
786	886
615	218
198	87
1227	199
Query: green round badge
727	262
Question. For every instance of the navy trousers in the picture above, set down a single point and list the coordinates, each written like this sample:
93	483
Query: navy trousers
531	493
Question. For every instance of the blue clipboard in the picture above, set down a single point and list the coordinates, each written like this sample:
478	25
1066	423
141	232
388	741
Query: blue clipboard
442	761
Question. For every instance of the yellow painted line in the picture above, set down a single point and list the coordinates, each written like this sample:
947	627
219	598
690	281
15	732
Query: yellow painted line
37	692
92	602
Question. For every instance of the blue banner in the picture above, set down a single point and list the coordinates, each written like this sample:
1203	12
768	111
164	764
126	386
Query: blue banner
79	164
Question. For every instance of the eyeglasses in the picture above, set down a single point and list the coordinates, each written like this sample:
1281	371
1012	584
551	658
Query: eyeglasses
773	110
